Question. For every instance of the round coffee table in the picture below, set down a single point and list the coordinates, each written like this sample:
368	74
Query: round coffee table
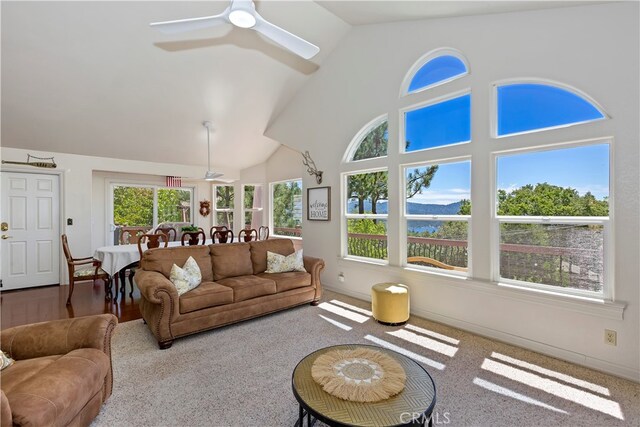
411	407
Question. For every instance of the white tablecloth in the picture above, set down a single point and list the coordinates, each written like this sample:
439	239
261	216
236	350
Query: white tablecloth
115	258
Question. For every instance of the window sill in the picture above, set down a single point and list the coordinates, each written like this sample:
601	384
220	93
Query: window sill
589	306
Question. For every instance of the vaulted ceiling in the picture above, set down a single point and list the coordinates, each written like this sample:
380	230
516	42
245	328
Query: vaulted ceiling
93	78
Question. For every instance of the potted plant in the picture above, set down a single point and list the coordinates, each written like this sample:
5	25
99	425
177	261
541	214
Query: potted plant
193	233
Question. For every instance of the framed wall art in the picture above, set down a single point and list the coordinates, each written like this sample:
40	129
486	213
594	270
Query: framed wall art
319	204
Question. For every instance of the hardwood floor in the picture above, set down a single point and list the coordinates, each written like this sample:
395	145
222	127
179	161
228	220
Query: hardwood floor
24	306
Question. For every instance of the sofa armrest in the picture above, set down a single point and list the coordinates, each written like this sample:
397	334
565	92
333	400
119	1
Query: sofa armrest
152	284
59	336
314	266
159	305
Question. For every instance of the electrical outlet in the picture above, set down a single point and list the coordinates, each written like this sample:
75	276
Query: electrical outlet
610	337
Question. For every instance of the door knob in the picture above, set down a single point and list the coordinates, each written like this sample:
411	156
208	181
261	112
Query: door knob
5	237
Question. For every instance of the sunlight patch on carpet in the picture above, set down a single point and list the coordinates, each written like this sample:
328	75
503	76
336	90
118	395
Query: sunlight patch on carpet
336	323
425	342
554	374
415	356
555	388
432	334
510	393
351	307
343	312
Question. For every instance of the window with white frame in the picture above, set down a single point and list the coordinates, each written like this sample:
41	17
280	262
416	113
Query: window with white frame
286	208
252	206
552	217
437	212
550	226
223	205
146	206
365	208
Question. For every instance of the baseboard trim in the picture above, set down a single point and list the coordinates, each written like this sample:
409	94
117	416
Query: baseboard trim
559	353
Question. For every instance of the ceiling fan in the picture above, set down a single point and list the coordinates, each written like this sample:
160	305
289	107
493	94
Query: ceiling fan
242	13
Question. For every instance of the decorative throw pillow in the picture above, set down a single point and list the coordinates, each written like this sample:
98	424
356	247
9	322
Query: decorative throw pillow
5	360
277	263
186	278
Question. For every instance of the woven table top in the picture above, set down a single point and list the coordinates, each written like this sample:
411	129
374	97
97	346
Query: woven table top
418	396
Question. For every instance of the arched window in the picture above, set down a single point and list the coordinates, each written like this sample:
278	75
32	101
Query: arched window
531	107
371	142
435	68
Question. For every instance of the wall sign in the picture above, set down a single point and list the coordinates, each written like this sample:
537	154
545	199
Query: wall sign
319	204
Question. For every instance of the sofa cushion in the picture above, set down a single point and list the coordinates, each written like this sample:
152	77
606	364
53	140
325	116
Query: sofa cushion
59	388
247	287
259	252
290	280
230	260
187	277
277	263
162	259
208	294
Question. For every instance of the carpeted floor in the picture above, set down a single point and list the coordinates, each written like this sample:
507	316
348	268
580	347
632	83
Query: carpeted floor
240	375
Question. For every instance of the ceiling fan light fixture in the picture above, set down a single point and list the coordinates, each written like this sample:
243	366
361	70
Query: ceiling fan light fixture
241	18
212	176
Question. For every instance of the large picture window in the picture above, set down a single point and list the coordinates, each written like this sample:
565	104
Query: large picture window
549	227
286	197
252	203
366	214
145	206
552	213
437	212
223	205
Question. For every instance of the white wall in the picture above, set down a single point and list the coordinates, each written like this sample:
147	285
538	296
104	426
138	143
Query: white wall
593	48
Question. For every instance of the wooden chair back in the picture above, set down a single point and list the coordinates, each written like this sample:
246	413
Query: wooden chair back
168	230
217	228
193	238
223	236
130	235
263	232
152	241
72	263
247	235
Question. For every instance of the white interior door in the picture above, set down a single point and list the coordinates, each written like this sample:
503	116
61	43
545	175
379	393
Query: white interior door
30	245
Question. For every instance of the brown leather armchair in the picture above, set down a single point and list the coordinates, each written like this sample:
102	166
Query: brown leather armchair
62	372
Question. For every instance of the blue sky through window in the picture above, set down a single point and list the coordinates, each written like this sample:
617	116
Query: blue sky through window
435	125
436	70
583	168
450	184
528	107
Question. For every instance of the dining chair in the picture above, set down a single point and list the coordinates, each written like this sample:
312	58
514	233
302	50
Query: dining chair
129	235
83	269
263	232
193	237
217	228
223	236
152	241
246	235
168	230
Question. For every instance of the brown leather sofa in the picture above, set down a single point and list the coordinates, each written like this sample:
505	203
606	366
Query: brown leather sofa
234	287
62	372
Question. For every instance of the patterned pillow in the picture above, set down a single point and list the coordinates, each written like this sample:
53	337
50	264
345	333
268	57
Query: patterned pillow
5	360
277	263
186	278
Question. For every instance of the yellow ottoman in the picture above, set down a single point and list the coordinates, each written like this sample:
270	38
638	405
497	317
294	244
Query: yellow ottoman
390	303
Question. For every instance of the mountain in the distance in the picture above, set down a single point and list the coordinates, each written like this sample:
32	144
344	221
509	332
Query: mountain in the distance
412	208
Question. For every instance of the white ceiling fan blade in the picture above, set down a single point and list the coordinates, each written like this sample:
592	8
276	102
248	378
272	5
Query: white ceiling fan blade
284	38
190	24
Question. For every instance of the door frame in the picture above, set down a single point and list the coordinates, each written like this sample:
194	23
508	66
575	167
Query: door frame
61	204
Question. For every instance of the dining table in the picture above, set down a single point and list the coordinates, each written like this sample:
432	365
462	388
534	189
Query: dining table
117	258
